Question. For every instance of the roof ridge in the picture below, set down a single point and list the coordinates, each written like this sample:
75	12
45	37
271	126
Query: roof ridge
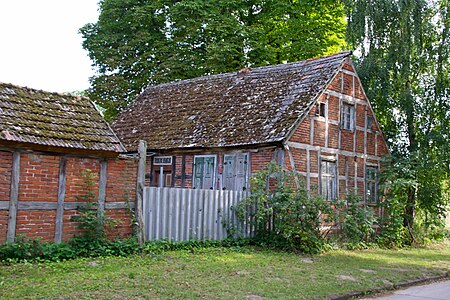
253	70
44	91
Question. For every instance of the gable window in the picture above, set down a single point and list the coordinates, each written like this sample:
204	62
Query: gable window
371	185
204	172
235	171
369	122
321	109
328	179
348	116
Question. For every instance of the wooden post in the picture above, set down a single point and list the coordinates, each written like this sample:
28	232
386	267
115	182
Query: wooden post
183	171
291	160
14	197
102	188
61	197
142	151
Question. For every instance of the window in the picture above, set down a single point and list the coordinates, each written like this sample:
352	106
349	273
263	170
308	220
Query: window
371	185
348	116
320	109
167	178
204	172
369	122
328	179
235	171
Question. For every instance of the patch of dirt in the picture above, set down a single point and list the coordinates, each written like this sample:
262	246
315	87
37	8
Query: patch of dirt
93	264
395	269
347	277
387	282
240	273
253	297
367	271
307	260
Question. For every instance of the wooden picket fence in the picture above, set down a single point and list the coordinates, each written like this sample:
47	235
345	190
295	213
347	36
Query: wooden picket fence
177	214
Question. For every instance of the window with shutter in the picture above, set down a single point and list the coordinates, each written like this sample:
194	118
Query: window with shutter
235	171
229	172
204	172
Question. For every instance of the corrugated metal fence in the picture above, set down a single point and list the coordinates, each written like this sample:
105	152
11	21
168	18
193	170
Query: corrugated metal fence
186	214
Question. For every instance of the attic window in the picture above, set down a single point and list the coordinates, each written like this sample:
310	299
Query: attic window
348	116
320	109
369	122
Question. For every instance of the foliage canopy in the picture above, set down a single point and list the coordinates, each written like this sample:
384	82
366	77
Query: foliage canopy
403	61
136	43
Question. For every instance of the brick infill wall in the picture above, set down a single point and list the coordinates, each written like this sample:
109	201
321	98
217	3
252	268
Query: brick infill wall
40	194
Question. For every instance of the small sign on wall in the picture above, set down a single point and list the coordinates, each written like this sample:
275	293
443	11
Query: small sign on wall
162	160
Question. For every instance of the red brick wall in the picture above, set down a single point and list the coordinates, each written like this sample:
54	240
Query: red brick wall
36	224
333	141
38	183
5	174
38	177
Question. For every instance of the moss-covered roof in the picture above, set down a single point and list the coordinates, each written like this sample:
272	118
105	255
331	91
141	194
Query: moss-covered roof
51	119
249	107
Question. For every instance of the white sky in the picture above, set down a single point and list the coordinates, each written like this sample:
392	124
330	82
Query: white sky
40	46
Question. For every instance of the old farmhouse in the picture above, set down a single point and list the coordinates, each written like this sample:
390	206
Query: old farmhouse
213	132
46	141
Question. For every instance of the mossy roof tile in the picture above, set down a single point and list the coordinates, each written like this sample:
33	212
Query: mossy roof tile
233	109
51	119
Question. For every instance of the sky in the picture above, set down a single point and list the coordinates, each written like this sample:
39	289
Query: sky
40	45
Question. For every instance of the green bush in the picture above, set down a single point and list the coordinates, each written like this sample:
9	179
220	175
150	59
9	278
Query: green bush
357	220
85	247
92	225
25	249
284	215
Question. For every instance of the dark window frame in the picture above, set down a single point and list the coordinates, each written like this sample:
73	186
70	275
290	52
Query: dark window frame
348	116
321	109
371	185
328	179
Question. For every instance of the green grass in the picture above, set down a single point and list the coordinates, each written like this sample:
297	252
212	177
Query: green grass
221	273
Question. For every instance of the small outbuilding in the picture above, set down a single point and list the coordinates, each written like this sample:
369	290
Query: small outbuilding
214	132
47	141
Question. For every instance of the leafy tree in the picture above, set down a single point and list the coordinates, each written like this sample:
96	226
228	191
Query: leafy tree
135	43
403	60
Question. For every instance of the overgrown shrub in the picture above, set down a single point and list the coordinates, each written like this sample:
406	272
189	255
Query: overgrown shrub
83	247
26	249
284	215
356	220
92	225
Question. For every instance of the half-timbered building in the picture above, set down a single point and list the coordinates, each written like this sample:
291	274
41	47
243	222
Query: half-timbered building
214	132
47	141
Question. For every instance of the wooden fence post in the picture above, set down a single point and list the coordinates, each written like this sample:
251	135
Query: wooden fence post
14	197
142	151
102	188
61	196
